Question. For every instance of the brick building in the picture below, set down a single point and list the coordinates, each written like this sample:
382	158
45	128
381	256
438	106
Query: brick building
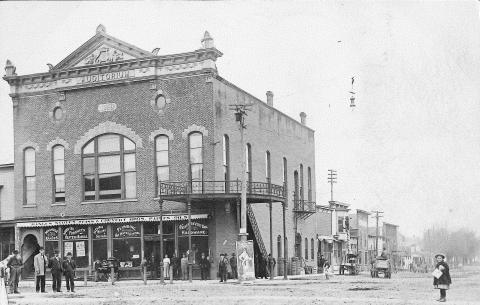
112	130
7	224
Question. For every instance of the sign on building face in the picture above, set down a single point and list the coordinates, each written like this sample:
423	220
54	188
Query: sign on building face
75	232
196	229
245	260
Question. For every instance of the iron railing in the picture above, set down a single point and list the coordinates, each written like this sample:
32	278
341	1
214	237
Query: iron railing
178	188
304	206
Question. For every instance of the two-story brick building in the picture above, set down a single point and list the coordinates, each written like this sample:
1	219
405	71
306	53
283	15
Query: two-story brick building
112	130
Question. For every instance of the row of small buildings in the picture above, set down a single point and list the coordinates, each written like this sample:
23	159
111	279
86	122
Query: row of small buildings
110	132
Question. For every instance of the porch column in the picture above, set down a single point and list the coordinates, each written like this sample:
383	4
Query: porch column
190	259
271	239
285	246
160	231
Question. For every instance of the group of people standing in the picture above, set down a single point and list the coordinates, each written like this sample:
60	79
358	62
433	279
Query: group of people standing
179	266
227	267
41	262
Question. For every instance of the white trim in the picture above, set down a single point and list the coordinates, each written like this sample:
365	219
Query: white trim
56	142
161	131
193	128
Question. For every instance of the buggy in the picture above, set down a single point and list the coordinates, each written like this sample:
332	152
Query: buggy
104	269
381	265
350	264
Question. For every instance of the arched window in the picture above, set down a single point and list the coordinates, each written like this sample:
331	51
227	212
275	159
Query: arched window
279	246
306	248
268	170
312	250
226	161
249	162
109	169
29	176
161	158
58	153
296	186
309	183
285	171
301	183
195	142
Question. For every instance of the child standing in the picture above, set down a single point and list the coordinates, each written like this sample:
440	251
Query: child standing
441	279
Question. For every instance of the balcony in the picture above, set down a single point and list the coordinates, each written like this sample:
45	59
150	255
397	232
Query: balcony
211	191
303	208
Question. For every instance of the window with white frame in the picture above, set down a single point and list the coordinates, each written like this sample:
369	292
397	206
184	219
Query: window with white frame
29	176
58	154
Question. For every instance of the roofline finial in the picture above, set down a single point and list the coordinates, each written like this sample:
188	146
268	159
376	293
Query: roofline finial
101	29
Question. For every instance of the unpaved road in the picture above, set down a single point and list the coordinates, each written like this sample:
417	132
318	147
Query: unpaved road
403	288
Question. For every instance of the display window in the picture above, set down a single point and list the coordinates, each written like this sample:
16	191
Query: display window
75	241
127	244
99	242
51	240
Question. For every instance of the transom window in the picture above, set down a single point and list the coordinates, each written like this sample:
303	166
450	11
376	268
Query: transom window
29	176
109	169
59	173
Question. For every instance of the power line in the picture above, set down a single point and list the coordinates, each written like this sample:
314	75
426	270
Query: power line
332	178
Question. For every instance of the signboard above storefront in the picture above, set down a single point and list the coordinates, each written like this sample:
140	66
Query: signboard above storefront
126	230
75	232
99	232
196	228
51	234
95	221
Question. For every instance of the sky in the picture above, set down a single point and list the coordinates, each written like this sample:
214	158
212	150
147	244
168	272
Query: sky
410	147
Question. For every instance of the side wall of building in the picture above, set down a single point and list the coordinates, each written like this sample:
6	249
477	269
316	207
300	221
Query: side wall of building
7	211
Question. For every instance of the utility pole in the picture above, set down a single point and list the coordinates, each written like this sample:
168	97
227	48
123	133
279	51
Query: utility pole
377	216
332	178
240	113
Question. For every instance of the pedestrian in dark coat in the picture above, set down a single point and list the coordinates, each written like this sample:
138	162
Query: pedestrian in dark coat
271	264
175	261
69	267
204	267
233	265
55	265
222	268
442	281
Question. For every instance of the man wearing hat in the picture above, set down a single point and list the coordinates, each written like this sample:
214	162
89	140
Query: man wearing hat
40	264
69	272
441	277
233	264
15	264
55	265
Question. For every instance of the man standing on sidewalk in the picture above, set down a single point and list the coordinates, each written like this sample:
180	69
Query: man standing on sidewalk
55	265
69	267
233	264
40	264
15	264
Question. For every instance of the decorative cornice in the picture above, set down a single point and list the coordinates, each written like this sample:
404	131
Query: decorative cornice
193	128
22	147
107	127
57	141
160	131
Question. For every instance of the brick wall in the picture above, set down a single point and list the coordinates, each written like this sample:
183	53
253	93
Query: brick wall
6	193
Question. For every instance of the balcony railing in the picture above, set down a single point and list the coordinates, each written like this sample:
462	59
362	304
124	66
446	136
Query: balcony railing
304	206
179	188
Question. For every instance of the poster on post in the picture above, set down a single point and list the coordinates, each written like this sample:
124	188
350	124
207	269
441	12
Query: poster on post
245	260
68	247
80	247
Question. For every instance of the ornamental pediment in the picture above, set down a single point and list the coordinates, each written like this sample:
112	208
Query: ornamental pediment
104	54
102	49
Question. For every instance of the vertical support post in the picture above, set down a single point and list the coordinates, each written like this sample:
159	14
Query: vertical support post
160	229
271	239
238	214
145	274
85	277
190	259
171	273
243	201
285	246
112	273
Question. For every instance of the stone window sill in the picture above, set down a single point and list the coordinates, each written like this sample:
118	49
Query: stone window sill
29	206
110	201
58	204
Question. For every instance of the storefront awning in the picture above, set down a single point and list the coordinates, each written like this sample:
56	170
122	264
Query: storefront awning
94	221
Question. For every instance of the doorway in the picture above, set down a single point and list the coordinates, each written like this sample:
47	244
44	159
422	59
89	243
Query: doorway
30	248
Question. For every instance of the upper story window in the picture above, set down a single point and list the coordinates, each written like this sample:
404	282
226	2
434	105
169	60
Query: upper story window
309	184
312	249
161	158
109	169
226	158
301	183
248	159
29	176
306	248
285	171
268	170
195	142
58	152
296	186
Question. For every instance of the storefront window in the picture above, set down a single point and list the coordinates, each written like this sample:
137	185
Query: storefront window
199	232
99	235
51	241
126	244
75	241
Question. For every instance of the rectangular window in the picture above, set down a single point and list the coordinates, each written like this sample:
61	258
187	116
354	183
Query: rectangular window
131	185
30	190
162	158
110	186
163	173
60	188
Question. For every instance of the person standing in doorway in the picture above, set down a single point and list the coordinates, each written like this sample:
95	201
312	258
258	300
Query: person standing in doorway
69	267
271	264
166	266
441	277
204	266
15	264
233	265
321	262
55	265
184	266
40	265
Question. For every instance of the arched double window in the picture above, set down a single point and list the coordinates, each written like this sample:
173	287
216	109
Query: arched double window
195	142
309	184
161	158
109	168
58	154
302	188
29	183
306	248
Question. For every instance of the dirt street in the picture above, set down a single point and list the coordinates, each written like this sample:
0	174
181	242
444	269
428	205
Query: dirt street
403	288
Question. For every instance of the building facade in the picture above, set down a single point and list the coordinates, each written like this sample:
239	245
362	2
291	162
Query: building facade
359	236
7	224
112	132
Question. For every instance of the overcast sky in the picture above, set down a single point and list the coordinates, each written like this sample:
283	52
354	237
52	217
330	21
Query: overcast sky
411	147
